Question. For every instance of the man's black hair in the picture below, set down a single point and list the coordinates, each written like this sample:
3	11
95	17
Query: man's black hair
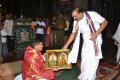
36	42
79	10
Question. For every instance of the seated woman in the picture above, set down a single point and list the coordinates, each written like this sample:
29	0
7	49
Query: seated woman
33	66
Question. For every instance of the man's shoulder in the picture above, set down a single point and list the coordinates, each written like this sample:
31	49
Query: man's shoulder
91	12
29	49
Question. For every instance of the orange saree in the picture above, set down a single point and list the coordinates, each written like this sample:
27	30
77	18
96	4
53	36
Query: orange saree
33	66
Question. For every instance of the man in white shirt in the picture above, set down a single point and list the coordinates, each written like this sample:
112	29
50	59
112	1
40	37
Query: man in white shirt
4	50
91	49
8	26
40	34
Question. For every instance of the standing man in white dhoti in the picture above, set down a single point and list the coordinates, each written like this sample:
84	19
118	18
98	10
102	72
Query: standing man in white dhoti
116	37
90	24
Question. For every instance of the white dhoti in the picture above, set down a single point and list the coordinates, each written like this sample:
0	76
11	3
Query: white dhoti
89	63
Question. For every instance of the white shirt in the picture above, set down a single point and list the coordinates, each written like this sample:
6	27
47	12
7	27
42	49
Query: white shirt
84	28
40	30
3	33
8	25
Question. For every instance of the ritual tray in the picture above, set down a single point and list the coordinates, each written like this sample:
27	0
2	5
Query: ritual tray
57	59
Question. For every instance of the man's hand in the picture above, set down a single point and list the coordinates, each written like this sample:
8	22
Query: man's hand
65	47
93	36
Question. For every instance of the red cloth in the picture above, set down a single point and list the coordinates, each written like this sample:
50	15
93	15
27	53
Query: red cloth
47	25
47	40
33	66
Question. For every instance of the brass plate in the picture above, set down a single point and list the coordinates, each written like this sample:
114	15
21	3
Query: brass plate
57	59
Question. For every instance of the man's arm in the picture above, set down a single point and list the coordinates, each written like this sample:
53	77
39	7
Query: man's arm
71	38
102	27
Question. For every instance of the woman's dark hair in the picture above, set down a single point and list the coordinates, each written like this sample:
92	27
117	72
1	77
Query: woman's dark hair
79	10
36	42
